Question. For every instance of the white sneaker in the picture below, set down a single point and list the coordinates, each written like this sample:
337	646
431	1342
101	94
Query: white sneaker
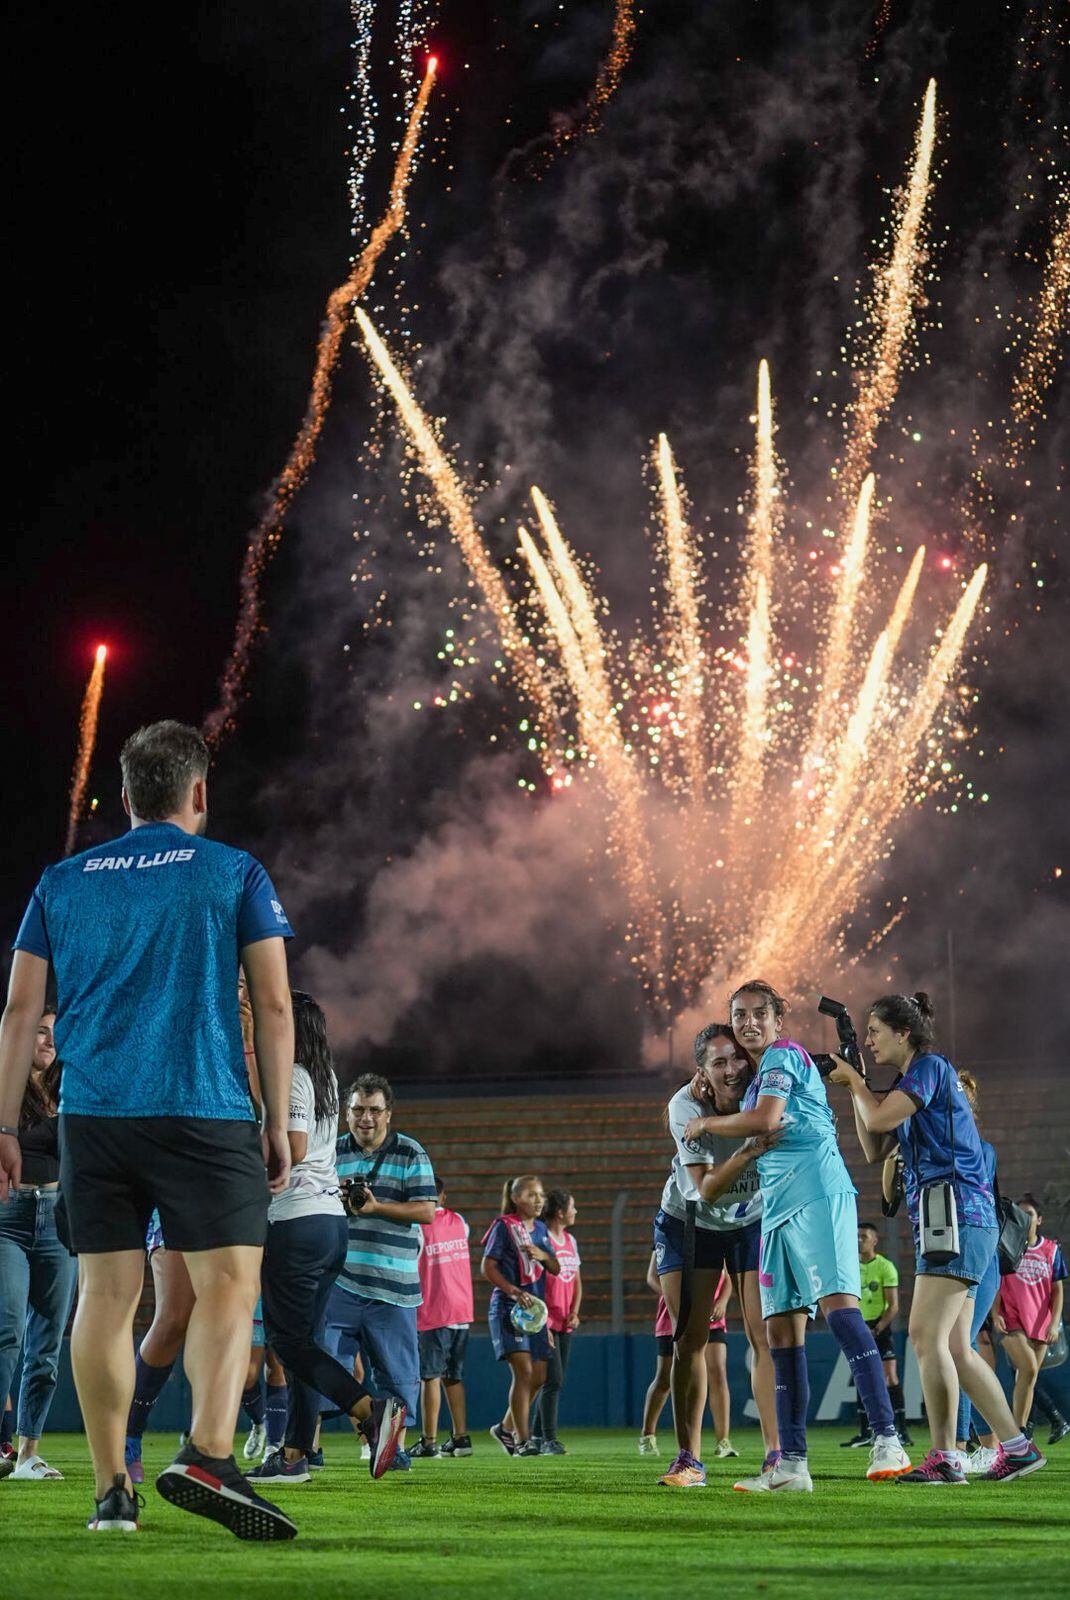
365	1452
648	1445
887	1459
37	1469
256	1443
724	1450
790	1477
982	1459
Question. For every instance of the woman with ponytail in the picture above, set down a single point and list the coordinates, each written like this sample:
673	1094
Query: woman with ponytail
928	1112
517	1254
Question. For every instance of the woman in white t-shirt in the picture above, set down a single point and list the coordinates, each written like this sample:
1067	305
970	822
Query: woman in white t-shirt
305	1252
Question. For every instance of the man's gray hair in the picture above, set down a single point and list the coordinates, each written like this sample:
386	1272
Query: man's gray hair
159	765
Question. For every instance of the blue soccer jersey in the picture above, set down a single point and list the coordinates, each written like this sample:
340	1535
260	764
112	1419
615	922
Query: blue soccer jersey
500	1245
940	1141
806	1165
144	935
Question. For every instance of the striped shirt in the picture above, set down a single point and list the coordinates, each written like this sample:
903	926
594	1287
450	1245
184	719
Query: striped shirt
382	1258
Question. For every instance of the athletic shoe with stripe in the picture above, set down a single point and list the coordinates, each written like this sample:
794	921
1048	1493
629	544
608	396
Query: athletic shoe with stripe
503	1437
276	1469
117	1510
256	1444
780	1476
648	1445
382	1430
209	1486
458	1444
315	1460
726	1450
887	1459
935	1469
685	1473
1020	1465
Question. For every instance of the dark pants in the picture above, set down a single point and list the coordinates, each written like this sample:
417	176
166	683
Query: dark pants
544	1417
302	1259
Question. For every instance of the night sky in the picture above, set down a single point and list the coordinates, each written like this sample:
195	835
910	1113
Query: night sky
179	215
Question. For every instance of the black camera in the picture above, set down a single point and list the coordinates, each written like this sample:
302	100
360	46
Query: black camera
354	1192
845	1032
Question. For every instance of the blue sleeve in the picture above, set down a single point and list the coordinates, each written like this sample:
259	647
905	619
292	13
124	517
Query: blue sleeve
1058	1266
778	1072
989	1153
921	1080
420	1180
498	1243
260	915
33	935
542	1237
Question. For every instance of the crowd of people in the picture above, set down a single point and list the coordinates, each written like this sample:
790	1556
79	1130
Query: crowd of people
183	1100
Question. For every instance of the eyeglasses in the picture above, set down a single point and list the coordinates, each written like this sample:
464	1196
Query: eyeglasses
358	1113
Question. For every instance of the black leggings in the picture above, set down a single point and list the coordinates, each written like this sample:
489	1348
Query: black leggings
544	1416
302	1259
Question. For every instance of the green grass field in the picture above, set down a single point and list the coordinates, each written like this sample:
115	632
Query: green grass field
591	1526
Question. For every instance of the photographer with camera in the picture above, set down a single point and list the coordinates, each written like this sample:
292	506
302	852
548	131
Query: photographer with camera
809	1249
388	1189
955	1228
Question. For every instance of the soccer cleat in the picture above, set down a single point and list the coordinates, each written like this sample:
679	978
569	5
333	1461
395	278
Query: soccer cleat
934	1469
208	1486
528	1448
256	1444
887	1459
276	1469
426	1450
315	1460
1019	1465
859	1441
503	1437
780	1476
1059	1430
981	1459
552	1447
725	1450
117	1510
684	1473
132	1459
458	1444
382	1429
648	1445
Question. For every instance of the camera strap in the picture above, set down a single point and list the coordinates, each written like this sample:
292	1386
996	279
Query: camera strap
368	1178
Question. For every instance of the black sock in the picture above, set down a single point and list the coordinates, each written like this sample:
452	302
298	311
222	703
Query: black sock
7	1425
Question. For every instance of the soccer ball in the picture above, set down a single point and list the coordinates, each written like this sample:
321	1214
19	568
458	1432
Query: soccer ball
528	1319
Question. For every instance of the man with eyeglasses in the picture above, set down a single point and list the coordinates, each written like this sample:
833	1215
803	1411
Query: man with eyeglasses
391	1191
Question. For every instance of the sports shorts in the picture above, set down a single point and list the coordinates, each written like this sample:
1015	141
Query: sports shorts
508	1342
811	1254
664	1345
884	1340
442	1353
205	1178
734	1250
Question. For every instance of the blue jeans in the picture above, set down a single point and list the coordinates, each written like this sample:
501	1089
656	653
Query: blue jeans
387	1336
982	1305
37	1281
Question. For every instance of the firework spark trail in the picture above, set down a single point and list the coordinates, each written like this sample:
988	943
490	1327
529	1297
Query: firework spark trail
451	496
87	739
606	83
685	611
577	595
265	538
764	526
600	731
1039	362
839	648
897	292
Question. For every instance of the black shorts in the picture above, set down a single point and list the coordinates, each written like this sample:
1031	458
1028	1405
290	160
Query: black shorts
664	1341
442	1353
205	1177
885	1341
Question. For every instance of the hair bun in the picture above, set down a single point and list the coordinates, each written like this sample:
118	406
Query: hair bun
924	1005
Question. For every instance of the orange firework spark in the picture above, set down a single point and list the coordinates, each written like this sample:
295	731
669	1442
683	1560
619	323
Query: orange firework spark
764	526
265	538
608	80
1040	358
688	646
87	739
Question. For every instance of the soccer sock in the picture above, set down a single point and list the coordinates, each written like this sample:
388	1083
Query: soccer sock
7	1425
276	1412
859	1346
899	1406
148	1381
792	1398
252	1403
1016	1446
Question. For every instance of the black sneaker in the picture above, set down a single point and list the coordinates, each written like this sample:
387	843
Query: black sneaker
1059	1430
503	1437
859	1442
528	1448
117	1510
426	1450
382	1429
459	1444
212	1487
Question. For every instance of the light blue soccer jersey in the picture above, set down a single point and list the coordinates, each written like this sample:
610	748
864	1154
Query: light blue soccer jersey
806	1165
144	935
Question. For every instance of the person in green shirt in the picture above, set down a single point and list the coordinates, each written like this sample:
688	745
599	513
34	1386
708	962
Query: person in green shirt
879	1303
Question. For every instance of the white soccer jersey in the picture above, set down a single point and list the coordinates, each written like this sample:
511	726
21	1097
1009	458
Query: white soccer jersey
739	1205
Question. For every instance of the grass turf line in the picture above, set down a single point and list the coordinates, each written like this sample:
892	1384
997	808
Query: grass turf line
592	1525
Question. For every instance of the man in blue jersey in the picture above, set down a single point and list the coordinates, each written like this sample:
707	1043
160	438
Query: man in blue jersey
374	1302
145	935
809	1252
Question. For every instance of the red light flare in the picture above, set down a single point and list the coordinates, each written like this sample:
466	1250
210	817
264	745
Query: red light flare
945	563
